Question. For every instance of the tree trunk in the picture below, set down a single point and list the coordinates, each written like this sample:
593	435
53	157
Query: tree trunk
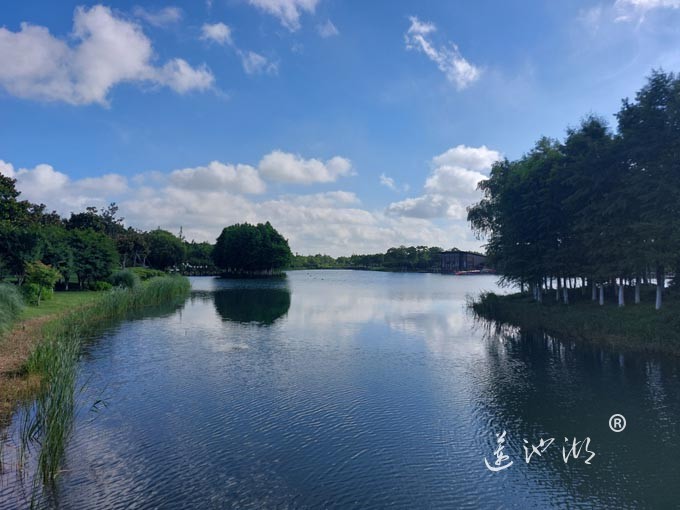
621	300
539	293
660	280
601	295
558	289
565	295
594	290
637	290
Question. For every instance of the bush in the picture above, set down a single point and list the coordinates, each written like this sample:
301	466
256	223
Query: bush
145	273
100	286
11	305
30	292
125	278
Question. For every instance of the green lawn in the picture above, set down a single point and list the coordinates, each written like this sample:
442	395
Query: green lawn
62	301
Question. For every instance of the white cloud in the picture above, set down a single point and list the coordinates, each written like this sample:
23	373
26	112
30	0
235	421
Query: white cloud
449	60
286	167
451	186
635	10
472	158
7	169
216	32
327	29
159	17
288	11
390	183
219	177
203	200
109	50
254	63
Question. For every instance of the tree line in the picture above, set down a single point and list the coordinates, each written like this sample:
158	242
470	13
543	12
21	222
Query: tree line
599	209
86	247
402	258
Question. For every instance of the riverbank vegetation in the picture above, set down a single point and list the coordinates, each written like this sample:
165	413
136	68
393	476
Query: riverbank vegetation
598	212
638	328
45	354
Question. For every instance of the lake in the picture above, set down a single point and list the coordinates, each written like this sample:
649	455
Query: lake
349	389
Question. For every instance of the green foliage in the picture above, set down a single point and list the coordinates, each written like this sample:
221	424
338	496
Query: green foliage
42	276
251	249
99	286
95	256
600	206
30	293
166	250
11	306
125	278
402	258
144	273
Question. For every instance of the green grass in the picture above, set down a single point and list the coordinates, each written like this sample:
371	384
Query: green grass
633	327
11	306
60	302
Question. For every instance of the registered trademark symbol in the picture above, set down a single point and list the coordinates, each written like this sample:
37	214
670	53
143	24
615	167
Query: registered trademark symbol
617	422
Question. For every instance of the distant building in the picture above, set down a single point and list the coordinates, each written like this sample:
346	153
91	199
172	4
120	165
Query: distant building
453	261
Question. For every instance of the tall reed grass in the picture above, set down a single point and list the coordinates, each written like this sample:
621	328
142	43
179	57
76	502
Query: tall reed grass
11	306
49	421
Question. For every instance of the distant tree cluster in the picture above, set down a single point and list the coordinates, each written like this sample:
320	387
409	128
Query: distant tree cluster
600	207
402	258
251	250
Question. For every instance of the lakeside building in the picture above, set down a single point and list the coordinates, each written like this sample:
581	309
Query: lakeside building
454	261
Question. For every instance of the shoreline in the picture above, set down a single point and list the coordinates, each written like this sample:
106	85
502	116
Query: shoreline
633	327
34	342
17	383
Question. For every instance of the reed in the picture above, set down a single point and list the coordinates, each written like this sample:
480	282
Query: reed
11	306
49	420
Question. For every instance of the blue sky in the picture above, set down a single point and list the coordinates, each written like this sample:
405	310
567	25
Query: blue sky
351	126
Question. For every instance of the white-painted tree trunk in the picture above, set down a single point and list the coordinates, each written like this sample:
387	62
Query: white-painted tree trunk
637	290
660	281
601	295
621	301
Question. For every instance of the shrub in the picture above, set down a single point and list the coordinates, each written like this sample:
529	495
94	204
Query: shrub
11	305
30	292
146	273
100	286
125	278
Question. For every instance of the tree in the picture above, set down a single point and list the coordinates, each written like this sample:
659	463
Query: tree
41	275
165	250
251	249
95	256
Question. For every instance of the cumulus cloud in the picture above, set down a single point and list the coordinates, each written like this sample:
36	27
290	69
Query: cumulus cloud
108	50
327	29
203	200
159	17
291	168
459	71
451	185
287	11
216	32
219	177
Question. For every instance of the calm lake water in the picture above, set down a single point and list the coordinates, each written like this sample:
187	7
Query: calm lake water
341	389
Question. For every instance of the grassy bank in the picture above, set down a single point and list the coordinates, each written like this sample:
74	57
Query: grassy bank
11	306
633	327
50	345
